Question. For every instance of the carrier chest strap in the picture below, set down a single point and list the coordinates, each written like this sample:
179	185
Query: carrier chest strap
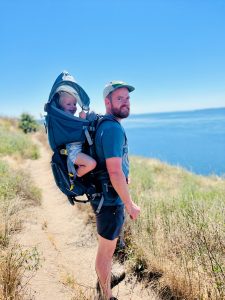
88	137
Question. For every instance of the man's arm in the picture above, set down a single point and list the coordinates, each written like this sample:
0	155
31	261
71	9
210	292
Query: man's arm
118	180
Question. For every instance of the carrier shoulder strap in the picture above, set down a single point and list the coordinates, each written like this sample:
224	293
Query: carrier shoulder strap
105	118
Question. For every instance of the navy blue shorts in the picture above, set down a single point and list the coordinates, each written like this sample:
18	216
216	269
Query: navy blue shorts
109	221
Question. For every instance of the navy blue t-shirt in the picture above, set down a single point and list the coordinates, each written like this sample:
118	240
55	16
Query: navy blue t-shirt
111	141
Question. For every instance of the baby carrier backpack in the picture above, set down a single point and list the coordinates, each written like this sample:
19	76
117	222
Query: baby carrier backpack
63	128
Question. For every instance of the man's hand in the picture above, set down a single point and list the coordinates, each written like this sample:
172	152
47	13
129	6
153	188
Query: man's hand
133	210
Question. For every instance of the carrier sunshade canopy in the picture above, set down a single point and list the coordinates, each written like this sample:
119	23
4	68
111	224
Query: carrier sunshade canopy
65	82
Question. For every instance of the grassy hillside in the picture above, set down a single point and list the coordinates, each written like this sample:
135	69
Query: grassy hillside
179	238
177	245
14	142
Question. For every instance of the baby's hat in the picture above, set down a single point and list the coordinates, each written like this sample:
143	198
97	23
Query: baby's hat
70	90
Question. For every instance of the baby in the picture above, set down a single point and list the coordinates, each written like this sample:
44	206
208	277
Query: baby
85	163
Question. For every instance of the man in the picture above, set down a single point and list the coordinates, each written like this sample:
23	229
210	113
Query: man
112	154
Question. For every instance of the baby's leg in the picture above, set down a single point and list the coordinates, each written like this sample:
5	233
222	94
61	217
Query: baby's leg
85	164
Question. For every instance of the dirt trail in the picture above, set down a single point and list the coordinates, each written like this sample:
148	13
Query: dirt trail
67	245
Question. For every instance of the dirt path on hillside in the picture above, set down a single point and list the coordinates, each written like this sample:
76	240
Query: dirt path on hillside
66	243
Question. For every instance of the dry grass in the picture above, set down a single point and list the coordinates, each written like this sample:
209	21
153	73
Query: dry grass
14	143
9	124
17	266
180	233
16	193
42	137
79	292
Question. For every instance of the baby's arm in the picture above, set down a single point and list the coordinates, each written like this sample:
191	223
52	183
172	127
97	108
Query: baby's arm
82	115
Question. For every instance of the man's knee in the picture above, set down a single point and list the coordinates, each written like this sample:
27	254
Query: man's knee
106	247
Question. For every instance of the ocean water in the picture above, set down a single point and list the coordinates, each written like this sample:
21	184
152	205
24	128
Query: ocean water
194	140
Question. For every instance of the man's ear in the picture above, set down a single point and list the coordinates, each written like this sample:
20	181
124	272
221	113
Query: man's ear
107	102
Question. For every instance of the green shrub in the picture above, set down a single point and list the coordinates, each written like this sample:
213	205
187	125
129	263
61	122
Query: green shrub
27	123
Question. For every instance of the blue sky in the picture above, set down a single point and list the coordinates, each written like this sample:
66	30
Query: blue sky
172	51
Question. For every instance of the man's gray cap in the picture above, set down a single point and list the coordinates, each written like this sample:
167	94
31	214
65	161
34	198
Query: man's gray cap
114	85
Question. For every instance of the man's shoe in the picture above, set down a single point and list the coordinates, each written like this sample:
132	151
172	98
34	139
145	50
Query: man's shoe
115	279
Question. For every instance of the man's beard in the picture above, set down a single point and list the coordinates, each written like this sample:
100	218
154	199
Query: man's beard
118	113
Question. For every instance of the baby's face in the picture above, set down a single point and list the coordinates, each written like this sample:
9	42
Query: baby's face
69	104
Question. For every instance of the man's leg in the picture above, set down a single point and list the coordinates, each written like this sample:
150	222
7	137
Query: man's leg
103	264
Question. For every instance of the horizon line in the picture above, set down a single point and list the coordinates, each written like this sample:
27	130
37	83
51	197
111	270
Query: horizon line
132	114
179	111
